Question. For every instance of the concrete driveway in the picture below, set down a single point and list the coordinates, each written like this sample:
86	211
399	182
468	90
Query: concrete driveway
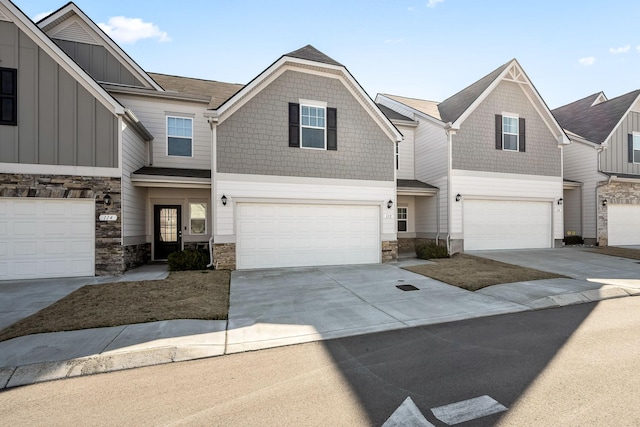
283	306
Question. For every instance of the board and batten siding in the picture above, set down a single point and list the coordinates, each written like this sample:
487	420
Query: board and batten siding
505	187
581	164
134	199
99	63
615	159
292	189
406	164
153	113
59	121
474	146
255	139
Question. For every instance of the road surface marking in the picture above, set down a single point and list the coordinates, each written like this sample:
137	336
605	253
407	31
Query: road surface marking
407	414
467	410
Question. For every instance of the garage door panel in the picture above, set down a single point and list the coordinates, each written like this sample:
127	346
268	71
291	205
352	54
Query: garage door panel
303	235
502	224
623	224
41	238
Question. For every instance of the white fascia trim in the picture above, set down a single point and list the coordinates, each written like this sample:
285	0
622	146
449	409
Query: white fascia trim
329	202
31	169
616	178
276	179
500	175
163	181
111	46
425	193
42	40
288	64
573	138
624	116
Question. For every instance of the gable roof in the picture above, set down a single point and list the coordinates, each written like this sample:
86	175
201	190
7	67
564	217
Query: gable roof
218	92
87	31
27	26
393	115
595	122
424	106
310	53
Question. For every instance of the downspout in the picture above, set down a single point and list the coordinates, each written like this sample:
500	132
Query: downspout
213	125
450	132
438	216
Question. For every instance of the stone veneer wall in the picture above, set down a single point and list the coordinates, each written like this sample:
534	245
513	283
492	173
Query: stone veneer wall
136	255
624	193
389	250
110	258
224	256
406	244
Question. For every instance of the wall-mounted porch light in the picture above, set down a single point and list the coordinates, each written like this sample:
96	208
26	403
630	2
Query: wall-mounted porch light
458	197
224	200
106	200
560	201
604	202
389	204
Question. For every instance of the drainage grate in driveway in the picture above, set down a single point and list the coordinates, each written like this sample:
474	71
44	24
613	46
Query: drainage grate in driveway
407	288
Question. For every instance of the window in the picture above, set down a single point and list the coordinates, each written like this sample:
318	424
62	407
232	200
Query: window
198	218
8	96
402	219
510	133
634	148
179	136
313	126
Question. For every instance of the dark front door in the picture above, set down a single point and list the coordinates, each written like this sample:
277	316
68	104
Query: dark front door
167	230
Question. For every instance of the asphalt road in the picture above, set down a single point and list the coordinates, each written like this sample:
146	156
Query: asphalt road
576	365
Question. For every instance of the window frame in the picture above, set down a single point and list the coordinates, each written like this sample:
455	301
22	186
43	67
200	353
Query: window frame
174	116
316	105
13	96
206	223
517	131
405	219
636	139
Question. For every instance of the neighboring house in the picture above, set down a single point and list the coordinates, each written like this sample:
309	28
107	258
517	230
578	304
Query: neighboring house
494	153
119	166
602	166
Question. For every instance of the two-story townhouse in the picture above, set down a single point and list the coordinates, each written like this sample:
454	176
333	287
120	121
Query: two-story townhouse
494	151
603	166
296	168
61	160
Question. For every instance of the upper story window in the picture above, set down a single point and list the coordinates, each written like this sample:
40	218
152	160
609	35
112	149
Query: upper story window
634	148
179	136
8	96
313	125
510	132
402	218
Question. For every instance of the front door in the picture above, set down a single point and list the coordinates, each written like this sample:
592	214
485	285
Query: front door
167	230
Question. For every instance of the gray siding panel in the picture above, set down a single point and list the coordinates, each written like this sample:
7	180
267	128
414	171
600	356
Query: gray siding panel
254	140
57	120
474	144
616	158
98	62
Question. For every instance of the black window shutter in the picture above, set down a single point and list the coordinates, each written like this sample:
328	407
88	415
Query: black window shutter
521	146
294	125
498	132
332	129
630	148
8	96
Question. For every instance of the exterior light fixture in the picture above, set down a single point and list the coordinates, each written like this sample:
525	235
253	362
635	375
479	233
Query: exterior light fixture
604	202
458	197
224	200
560	200
106	200
389	204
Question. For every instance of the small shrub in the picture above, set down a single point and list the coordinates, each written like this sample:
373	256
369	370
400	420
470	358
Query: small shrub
573	240
189	259
431	251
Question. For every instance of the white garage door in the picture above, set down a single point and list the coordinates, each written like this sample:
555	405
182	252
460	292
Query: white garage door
623	224
293	235
493	224
42	238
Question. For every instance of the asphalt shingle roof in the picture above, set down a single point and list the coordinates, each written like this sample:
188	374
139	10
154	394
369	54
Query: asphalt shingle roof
594	122
391	114
414	183
185	173
310	53
219	92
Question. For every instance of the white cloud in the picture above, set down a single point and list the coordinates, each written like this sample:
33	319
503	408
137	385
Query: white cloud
638	48
42	15
587	61
130	30
623	49
433	3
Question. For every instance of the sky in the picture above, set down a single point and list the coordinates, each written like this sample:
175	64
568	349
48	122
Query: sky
428	49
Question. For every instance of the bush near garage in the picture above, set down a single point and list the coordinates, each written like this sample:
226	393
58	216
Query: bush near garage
573	240
431	250
188	259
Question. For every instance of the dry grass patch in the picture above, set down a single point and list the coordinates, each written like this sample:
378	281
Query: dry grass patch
183	295
473	273
615	251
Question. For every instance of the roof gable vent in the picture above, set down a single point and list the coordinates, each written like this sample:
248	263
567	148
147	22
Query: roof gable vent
75	32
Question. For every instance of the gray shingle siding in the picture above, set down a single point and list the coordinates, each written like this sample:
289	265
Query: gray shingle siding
254	140
474	144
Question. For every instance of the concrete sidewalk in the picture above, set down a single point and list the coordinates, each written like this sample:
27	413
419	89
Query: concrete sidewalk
277	307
